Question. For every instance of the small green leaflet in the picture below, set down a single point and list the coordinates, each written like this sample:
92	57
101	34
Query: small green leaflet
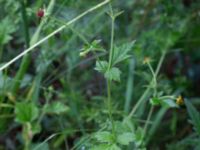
101	66
113	74
26	112
121	53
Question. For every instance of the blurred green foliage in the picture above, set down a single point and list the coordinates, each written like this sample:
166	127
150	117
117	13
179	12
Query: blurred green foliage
60	103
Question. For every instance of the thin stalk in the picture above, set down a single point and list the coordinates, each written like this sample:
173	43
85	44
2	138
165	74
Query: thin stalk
109	99
146	123
26	59
26	136
154	80
52	34
112	38
147	91
129	86
109	104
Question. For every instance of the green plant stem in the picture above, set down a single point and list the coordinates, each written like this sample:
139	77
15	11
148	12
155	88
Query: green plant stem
111	52
154	80
146	123
26	59
129	86
109	104
112	38
147	91
26	136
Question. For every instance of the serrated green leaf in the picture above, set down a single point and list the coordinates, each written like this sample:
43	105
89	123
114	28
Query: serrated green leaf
104	136
121	53
113	74
56	108
125	138
194	115
101	66
26	112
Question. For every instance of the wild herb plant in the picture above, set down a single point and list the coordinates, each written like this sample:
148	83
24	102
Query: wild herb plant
58	97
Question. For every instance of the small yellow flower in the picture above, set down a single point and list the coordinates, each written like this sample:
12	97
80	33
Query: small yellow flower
146	60
179	100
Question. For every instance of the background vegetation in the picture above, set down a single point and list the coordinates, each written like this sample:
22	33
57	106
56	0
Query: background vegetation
100	75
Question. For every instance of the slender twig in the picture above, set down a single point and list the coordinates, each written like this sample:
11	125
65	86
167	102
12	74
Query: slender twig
146	92
111	52
146	124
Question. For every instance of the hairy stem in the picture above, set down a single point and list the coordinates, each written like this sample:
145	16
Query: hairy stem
111	52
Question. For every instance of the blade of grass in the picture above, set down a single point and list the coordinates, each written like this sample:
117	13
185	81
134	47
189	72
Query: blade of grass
155	124
129	85
26	59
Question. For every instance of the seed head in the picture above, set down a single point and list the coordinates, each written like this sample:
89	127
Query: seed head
40	13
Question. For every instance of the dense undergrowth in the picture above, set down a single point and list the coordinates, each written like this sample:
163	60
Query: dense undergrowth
99	75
